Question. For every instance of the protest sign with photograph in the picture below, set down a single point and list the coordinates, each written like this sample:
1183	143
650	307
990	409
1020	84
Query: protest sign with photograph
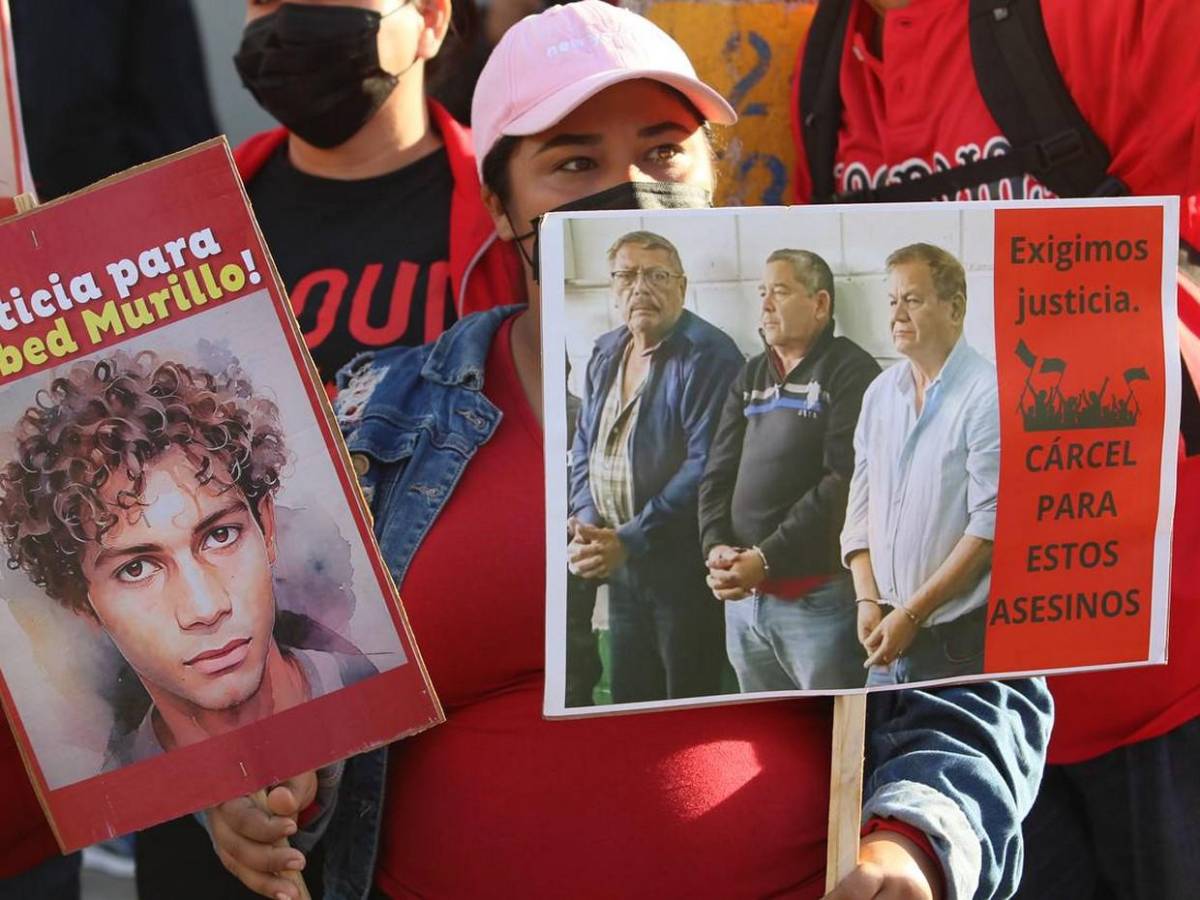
195	606
823	450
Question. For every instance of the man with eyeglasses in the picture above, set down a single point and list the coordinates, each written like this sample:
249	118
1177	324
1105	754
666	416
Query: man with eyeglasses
651	402
773	498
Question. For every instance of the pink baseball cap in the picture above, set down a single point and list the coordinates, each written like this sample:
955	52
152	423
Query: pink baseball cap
548	64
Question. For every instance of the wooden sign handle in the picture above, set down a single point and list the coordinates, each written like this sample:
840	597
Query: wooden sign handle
845	787
259	799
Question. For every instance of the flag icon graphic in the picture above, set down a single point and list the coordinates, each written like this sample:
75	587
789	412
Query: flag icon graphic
1138	374
1027	355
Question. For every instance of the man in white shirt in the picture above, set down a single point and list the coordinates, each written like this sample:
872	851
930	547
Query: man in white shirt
922	510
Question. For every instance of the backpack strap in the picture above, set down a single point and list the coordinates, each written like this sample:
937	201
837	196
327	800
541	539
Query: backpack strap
821	94
1026	95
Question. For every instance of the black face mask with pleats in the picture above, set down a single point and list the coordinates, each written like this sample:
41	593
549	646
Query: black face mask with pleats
631	195
316	69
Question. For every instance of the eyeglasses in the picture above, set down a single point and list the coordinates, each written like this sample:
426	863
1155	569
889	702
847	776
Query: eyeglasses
655	276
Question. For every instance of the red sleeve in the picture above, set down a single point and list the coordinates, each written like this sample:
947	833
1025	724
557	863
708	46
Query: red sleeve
916	835
1149	125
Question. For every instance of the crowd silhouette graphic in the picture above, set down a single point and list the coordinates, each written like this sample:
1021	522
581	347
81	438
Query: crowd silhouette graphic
1050	409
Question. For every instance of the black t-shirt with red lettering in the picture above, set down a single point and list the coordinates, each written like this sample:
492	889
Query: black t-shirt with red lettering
364	261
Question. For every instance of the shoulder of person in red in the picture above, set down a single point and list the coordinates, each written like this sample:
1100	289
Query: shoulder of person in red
1129	715
1151	147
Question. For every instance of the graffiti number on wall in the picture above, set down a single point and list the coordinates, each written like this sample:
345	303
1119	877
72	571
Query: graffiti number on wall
747	83
739	97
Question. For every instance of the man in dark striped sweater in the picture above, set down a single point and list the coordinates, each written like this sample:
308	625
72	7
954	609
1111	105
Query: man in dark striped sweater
773	497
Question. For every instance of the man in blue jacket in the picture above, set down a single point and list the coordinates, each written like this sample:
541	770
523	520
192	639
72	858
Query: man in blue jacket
652	401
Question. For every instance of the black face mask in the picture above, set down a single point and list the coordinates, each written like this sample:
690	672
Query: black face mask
316	69
630	195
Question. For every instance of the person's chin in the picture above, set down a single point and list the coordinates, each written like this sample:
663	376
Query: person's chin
233	688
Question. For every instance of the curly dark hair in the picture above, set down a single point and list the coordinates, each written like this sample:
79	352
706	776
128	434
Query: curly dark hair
115	417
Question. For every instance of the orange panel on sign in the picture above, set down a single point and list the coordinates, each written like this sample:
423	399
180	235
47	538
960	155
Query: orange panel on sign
1082	401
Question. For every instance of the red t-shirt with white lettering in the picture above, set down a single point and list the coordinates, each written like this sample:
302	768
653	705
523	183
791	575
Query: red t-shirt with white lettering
1132	69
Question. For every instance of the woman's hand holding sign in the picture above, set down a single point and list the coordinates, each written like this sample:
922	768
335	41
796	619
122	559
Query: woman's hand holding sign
890	867
251	842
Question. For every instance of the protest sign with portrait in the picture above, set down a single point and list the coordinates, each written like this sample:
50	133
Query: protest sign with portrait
822	450
195	607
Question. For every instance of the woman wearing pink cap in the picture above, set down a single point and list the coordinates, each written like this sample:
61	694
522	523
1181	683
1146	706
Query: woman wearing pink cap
588	106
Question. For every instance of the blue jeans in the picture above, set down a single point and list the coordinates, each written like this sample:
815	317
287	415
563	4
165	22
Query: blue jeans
801	643
666	634
55	879
1125	825
950	650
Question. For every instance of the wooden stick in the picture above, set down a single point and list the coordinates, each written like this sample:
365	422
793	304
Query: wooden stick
845	787
259	799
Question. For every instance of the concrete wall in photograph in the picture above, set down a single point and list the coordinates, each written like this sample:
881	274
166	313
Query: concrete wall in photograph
723	255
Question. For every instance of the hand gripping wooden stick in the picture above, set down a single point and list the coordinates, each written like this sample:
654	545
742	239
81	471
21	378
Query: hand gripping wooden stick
845	787
259	799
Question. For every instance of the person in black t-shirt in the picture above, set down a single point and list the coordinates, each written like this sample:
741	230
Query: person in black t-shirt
368	197
369	201
355	203
364	261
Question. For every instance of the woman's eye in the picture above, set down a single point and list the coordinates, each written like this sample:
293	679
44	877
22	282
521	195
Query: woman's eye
222	536
577	164
137	571
666	153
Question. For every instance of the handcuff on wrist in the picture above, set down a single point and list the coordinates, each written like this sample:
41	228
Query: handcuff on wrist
912	617
754	591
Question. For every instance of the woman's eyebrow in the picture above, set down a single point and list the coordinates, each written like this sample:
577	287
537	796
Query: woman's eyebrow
569	140
665	127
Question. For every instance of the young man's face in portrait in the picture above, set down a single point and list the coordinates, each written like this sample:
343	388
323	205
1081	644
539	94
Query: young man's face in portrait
182	585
